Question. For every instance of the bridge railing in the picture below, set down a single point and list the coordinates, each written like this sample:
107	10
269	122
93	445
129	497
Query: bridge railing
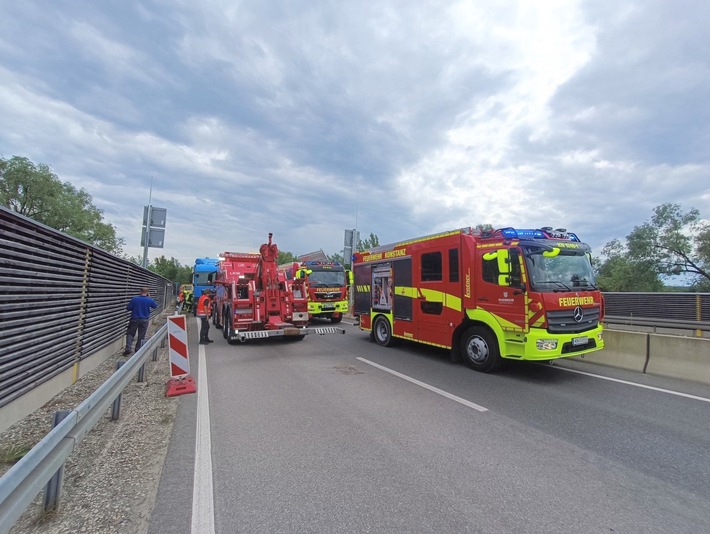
668	311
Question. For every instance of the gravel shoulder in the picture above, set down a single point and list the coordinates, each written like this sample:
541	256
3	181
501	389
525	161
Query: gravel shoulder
111	480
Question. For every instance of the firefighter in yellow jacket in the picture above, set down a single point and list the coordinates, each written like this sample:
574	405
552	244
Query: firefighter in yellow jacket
204	306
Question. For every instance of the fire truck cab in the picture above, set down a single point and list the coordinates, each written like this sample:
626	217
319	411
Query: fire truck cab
505	294
328	286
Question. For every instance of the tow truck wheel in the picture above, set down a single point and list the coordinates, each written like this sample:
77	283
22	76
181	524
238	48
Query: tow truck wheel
225	328
479	350
228	329
382	331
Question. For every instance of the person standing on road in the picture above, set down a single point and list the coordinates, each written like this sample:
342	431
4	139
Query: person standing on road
140	307
204	306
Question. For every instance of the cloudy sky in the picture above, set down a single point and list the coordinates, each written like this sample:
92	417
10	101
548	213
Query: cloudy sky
400	118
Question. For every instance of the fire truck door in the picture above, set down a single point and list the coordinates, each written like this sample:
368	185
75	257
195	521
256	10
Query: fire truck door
500	292
362	275
436	300
402	271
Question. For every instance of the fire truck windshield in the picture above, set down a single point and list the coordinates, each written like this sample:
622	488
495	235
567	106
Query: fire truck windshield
553	270
329	278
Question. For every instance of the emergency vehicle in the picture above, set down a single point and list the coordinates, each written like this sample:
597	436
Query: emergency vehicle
254	299
203	275
518	294
328	286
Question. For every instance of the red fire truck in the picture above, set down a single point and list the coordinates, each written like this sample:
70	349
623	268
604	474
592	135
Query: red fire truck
486	295
255	300
328	285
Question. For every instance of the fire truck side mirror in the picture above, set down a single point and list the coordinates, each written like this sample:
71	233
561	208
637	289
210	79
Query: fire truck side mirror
351	278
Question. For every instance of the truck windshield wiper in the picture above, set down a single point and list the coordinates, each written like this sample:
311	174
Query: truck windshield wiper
558	283
583	284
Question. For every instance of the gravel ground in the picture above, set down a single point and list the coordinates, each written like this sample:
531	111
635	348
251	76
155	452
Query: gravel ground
111	480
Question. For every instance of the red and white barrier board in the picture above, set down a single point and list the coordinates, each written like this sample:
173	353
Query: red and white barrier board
180	382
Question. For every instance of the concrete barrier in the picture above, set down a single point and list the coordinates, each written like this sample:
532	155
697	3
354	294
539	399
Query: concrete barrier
623	349
682	357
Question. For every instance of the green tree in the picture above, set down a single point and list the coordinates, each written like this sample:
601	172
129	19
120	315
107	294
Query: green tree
619	272
371	242
672	243
286	257
36	192
337	257
676	243
172	270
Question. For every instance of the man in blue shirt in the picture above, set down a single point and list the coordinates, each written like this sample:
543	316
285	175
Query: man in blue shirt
140	307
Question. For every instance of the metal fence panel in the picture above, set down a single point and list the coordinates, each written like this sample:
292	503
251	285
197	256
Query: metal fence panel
691	310
61	300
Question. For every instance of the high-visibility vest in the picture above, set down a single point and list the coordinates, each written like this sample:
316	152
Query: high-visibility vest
203	306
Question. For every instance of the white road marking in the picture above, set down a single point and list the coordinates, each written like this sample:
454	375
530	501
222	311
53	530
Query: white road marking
426	386
202	497
644	386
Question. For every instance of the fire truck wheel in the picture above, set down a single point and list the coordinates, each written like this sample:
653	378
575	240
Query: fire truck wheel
335	319
382	331
480	350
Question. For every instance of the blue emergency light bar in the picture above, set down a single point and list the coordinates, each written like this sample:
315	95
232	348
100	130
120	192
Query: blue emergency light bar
543	233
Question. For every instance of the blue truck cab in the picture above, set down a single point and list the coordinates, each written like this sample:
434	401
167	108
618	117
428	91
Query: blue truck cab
203	275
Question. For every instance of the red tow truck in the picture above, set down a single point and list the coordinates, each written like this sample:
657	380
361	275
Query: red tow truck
255	300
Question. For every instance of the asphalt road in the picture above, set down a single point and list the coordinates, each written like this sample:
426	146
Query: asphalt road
336	434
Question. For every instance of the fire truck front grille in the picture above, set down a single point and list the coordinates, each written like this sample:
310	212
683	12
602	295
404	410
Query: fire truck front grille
334	295
569	321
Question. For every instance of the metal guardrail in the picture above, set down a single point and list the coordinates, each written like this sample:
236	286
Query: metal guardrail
657	323
21	484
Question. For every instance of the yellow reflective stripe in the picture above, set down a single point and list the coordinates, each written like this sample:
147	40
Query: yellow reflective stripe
503	261
453	302
496	322
448	300
432	295
410	292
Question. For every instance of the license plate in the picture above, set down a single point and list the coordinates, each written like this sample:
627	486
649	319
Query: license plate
328	308
577	341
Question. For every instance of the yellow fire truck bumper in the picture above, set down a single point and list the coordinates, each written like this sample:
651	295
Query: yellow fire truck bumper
541	345
320	308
